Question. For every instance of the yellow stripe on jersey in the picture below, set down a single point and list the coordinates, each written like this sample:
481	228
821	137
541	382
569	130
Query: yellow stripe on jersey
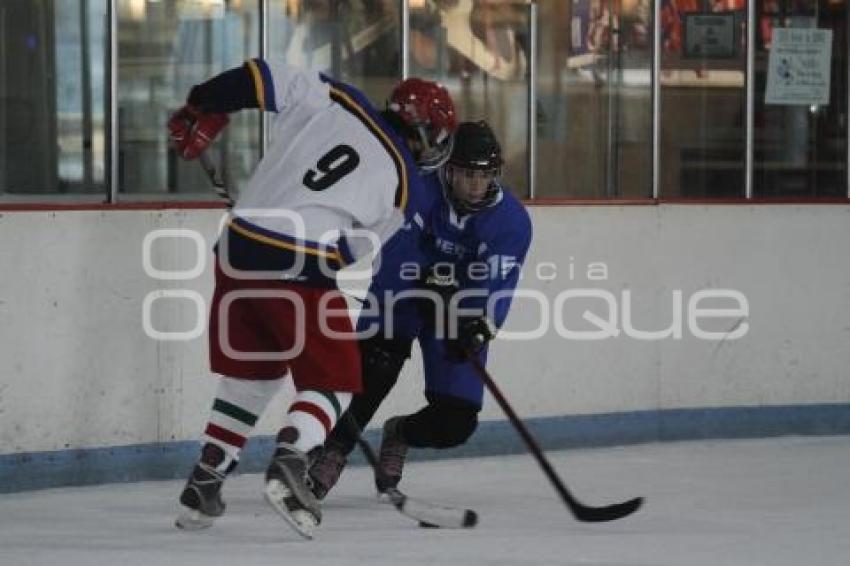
353	106
284	245
258	83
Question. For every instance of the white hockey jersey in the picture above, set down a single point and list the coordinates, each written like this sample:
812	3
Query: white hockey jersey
332	166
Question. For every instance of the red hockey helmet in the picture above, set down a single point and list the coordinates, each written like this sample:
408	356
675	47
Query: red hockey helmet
427	109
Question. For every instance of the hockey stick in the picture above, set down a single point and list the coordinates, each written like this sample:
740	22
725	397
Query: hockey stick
427	514
217	177
580	511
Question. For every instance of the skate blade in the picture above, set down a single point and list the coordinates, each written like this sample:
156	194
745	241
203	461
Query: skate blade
301	520
193	520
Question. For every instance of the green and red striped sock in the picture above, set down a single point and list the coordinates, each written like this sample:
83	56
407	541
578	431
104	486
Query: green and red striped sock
237	406
314	414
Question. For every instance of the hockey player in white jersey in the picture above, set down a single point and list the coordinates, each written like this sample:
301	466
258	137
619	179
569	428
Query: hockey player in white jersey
335	165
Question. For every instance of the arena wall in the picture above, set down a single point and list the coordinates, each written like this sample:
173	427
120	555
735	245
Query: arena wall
658	323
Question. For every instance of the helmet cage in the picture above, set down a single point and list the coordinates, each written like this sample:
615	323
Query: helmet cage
451	190
432	155
475	160
427	111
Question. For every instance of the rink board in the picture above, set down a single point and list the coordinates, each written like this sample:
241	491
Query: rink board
87	394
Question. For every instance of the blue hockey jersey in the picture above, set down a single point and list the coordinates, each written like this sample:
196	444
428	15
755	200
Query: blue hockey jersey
485	250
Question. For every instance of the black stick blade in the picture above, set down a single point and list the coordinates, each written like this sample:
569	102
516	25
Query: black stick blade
432	515
607	513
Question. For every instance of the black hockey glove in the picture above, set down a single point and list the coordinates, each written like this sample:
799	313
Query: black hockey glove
441	281
472	335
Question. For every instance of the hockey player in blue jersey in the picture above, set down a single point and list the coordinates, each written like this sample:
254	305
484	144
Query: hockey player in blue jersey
478	234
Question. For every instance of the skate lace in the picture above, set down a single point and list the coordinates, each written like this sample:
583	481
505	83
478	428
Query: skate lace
215	477
202	491
294	462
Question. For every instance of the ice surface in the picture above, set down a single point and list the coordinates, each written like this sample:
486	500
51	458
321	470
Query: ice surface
772	502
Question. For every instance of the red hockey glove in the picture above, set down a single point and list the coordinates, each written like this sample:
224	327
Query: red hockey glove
192	131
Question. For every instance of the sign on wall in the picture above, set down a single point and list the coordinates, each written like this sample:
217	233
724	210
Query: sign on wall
710	35
798	68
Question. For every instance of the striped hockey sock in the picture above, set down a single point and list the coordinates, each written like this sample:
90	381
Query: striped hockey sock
237	406
314	414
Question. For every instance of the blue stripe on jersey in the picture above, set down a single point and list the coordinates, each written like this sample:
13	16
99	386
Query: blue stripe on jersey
357	104
345	253
283	241
249	248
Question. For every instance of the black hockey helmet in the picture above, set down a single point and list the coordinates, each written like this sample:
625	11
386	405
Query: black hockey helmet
471	175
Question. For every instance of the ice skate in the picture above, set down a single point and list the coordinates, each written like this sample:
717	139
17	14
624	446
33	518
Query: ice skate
391	456
201	498
326	468
286	486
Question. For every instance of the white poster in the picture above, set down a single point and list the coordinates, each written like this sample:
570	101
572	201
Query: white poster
798	67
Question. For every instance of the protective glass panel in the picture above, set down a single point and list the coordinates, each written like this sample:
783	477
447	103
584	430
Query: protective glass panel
703	99
595	114
164	48
801	99
355	42
479	51
51	97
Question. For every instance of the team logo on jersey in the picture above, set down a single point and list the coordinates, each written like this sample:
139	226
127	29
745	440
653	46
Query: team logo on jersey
502	265
450	248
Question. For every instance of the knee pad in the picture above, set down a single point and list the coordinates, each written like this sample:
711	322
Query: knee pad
446	422
455	426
